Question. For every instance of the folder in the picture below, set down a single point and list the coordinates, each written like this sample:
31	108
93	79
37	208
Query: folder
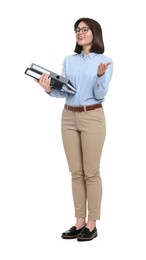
57	81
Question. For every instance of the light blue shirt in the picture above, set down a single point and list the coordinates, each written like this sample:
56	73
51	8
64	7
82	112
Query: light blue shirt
82	72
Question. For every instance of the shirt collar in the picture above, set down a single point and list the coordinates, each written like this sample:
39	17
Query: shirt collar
90	55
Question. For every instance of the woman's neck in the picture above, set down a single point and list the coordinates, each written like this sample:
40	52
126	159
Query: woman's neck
86	51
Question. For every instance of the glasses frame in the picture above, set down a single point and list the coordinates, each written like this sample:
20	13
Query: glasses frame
86	28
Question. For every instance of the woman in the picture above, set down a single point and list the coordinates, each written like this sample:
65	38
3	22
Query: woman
83	123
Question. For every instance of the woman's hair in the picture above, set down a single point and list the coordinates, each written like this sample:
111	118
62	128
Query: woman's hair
97	44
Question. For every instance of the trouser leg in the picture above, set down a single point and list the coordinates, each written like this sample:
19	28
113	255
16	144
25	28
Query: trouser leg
92	140
71	138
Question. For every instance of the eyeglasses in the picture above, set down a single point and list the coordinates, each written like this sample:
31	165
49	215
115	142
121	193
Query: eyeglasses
84	30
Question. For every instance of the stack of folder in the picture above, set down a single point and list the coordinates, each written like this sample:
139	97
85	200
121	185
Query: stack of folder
57	81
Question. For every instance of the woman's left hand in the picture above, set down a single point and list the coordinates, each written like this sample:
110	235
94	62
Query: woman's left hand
102	68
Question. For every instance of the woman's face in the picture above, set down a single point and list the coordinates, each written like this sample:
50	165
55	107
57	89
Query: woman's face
84	35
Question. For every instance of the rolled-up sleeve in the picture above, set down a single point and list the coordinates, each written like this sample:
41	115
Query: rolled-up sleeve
57	93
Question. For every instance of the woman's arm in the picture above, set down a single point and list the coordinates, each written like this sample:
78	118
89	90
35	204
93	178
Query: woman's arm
104	74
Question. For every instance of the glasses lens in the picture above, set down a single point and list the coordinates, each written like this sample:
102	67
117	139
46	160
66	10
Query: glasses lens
77	30
85	30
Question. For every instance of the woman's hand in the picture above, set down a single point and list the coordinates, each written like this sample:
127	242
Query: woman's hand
102	68
45	81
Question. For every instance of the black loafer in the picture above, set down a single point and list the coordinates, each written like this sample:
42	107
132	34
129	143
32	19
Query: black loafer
86	235
71	233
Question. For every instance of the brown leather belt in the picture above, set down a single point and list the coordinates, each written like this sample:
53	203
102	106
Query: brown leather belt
82	108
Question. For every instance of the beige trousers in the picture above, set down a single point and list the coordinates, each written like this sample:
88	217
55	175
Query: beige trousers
83	135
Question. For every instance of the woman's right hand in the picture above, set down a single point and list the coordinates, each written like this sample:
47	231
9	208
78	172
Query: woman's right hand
45	82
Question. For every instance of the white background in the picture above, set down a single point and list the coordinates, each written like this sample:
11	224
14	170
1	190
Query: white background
35	185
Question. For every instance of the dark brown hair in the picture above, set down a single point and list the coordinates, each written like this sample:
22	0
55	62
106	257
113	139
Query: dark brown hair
97	44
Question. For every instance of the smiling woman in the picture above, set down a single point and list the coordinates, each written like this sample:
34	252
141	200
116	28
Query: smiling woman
83	123
91	28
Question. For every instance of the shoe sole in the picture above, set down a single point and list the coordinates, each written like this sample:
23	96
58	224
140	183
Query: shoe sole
69	237
87	239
